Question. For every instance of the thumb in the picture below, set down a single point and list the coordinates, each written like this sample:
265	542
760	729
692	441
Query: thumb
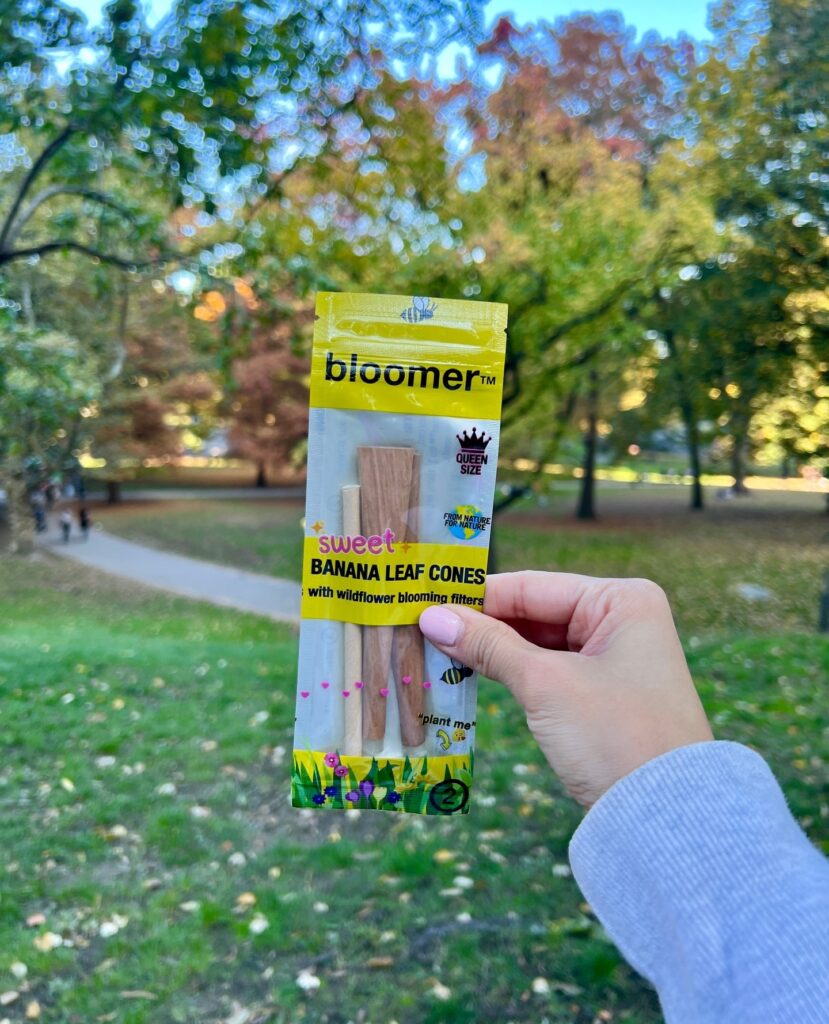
481	642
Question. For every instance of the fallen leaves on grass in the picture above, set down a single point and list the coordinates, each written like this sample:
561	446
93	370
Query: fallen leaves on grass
239	1015
307	981
259	923
48	941
440	992
378	963
443	856
112	926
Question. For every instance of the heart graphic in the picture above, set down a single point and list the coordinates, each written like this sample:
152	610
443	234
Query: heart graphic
359	686
406	680
384	692
366	787
427	685
346	693
325	685
304	693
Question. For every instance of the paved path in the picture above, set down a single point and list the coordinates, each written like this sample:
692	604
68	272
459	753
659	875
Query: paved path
231	588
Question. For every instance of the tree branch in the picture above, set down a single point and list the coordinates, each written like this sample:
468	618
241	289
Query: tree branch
73	190
68	243
46	155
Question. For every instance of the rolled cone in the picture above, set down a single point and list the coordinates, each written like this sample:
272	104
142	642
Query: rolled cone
385	491
408	658
352	642
409	664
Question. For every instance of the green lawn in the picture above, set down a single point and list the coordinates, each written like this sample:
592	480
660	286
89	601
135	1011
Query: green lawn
144	798
261	535
775	540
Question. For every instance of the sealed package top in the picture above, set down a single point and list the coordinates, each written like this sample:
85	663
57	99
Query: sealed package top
402	456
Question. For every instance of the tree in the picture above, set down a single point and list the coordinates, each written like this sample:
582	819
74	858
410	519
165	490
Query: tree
196	112
269	386
152	145
43	385
575	219
757	151
163	398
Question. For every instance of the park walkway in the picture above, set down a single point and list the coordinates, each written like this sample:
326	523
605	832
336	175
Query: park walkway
220	585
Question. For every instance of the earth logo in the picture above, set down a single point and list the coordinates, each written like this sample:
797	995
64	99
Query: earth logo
466	522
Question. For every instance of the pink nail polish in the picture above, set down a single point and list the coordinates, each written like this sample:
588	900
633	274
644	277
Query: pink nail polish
440	626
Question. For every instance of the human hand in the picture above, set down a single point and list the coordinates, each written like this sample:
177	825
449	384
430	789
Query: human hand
596	664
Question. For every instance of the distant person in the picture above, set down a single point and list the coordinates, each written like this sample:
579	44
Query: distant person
688	854
84	521
39	511
65	520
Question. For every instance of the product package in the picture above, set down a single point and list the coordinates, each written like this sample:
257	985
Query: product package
402	456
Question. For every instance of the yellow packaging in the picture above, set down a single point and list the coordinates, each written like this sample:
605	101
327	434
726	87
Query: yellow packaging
402	456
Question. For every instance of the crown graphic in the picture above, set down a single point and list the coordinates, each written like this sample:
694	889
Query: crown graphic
473	442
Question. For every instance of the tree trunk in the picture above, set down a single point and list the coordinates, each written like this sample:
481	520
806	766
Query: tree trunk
738	465
694	462
21	537
689	420
261	475
113	492
587	497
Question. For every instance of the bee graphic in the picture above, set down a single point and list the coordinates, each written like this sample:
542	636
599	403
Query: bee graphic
459	735
456	674
420	309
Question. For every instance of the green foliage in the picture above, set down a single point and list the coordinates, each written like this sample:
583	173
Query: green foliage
44	382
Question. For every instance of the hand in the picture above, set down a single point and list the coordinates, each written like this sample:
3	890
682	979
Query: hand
595	663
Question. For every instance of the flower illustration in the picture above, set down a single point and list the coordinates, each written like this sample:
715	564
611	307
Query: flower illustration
330	791
332	760
353	796
392	797
341	771
318	798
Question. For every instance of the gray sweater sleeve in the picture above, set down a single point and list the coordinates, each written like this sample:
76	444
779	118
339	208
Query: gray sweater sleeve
706	883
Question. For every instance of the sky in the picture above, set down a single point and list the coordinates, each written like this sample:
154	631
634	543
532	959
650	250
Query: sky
667	18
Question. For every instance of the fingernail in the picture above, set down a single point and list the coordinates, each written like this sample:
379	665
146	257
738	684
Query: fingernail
440	625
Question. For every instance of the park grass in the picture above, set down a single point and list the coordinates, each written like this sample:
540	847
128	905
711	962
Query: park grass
774	540
111	694
260	536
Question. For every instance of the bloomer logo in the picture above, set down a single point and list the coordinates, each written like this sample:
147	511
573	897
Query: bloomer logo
413	376
472	458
